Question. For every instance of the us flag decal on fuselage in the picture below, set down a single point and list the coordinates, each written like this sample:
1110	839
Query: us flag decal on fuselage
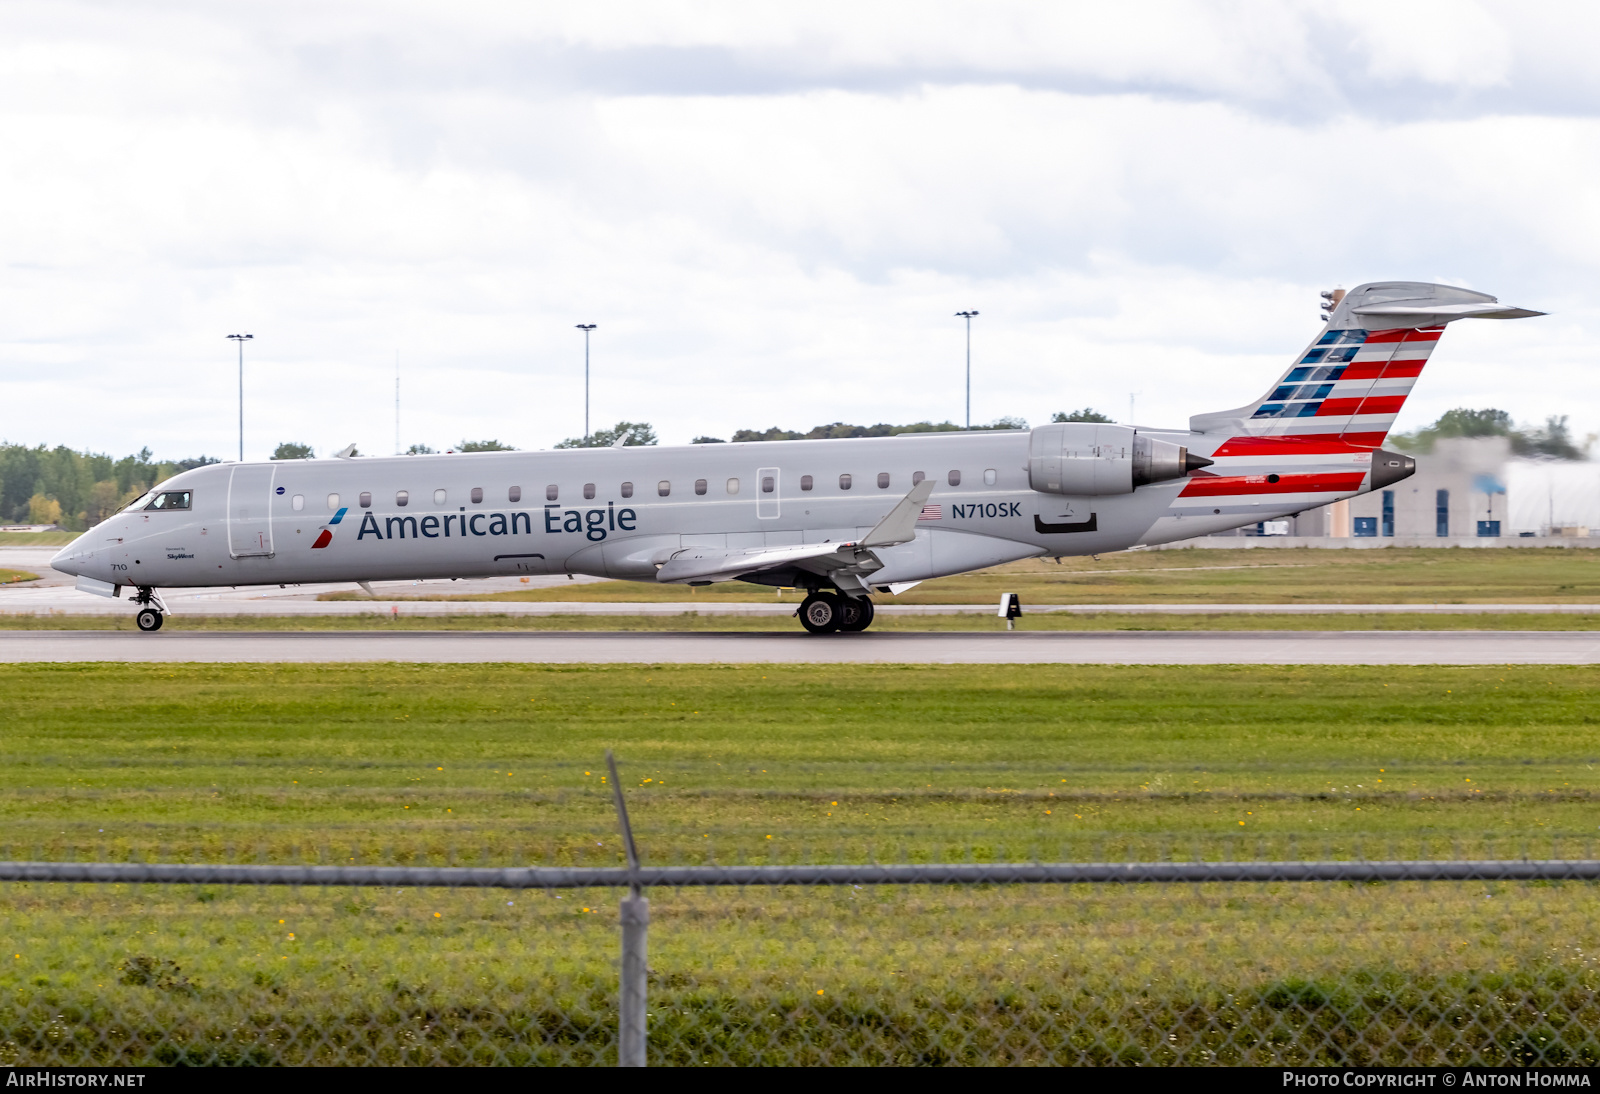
931	512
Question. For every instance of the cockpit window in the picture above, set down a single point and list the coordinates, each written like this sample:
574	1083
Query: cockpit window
141	503
170	499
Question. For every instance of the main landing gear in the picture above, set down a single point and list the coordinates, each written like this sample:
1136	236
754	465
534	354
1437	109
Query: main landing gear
824	613
151	613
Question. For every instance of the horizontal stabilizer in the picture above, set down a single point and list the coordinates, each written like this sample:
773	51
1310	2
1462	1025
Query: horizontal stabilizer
1446	312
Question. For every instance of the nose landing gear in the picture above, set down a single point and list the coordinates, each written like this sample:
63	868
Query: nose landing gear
824	613
151	613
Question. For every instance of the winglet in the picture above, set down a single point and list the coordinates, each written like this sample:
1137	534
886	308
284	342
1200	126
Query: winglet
900	526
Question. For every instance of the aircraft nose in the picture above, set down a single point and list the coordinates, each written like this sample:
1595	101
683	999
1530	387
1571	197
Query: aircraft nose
71	558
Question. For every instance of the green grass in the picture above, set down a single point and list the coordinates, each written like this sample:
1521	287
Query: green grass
945	756
37	539
11	577
1395	575
499	764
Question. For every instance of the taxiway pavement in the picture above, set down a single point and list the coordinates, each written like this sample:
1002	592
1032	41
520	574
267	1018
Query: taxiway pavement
1019	647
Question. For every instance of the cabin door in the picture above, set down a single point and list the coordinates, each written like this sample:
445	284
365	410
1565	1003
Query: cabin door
250	511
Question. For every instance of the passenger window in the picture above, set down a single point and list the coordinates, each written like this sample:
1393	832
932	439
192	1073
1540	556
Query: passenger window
588	491
172	499
514	494
401	497
477	495
805	482
883	480
844	482
440	497
990	476
298	502
552	492
627	489
366	500
955	478
733	486
664	488
916	477
699	486
333	501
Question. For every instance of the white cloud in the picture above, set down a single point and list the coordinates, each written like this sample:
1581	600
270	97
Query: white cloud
1141	198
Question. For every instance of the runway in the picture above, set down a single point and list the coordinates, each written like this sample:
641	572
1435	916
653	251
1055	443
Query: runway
1020	647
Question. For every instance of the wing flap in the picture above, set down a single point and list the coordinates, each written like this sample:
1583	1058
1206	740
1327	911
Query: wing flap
725	564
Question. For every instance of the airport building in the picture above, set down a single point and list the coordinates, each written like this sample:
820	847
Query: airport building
1467	492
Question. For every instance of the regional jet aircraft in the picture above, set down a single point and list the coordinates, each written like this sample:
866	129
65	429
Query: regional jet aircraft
842	519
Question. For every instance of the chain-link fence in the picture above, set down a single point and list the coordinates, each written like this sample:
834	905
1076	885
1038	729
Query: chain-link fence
359	962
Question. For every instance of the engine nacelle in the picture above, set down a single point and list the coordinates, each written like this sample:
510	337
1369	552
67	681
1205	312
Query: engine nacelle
1094	458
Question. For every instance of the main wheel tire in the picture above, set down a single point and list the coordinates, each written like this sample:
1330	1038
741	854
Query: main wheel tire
819	613
855	614
148	619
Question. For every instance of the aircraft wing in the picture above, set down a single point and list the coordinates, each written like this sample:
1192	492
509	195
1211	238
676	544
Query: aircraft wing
852	557
725	564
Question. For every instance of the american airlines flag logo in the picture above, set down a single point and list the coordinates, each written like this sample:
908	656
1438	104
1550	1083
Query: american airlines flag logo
931	512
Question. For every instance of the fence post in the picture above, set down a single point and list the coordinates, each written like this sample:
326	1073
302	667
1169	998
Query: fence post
635	971
632	1032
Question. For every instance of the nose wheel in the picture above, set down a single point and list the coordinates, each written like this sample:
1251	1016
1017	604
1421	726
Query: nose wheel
150	614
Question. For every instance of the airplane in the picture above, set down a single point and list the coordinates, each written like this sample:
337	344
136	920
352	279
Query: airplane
842	519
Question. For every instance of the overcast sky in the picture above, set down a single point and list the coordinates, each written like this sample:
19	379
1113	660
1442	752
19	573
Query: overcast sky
771	211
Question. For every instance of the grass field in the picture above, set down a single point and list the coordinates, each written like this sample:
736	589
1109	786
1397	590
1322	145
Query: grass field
37	539
11	577
499	764
1264	576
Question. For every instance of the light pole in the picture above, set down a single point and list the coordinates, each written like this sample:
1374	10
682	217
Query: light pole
241	339
586	328
968	316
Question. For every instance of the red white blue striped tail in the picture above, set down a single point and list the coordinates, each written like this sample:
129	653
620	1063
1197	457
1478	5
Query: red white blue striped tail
1345	389
1311	438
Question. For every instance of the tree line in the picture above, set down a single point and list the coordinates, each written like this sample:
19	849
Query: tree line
59	485
1553	439
836	430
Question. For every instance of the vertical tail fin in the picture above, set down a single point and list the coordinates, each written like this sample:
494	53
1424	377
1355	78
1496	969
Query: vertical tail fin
1345	389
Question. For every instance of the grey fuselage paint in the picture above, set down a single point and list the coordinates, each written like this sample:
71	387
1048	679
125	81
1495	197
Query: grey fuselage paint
628	536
